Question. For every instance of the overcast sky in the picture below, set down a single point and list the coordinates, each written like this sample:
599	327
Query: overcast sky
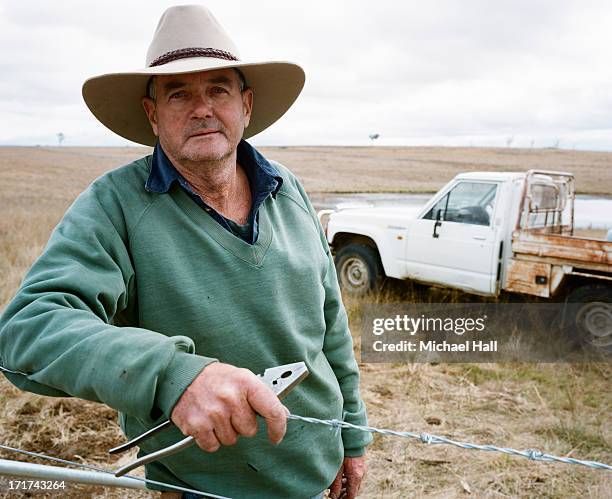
463	72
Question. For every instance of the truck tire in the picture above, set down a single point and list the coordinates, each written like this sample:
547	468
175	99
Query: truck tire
588	316
359	269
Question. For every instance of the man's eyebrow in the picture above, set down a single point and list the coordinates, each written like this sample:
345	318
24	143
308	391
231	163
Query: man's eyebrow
221	79
173	85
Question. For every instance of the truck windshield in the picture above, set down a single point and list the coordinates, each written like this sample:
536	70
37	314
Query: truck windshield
467	202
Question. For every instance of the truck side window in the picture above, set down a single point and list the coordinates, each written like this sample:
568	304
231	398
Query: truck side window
468	203
440	205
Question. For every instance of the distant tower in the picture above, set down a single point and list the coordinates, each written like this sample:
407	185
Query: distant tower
60	138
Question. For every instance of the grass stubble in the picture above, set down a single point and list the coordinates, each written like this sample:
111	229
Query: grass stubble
561	409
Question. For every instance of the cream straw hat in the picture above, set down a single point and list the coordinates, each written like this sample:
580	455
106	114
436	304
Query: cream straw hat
189	39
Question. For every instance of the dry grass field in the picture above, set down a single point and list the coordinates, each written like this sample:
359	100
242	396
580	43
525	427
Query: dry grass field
559	409
426	169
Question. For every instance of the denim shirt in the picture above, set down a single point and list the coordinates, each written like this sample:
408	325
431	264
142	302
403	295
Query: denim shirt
264	180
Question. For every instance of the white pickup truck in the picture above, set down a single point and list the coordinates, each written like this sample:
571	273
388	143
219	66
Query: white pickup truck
483	233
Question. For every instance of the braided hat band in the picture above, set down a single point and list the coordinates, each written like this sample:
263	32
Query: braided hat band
173	55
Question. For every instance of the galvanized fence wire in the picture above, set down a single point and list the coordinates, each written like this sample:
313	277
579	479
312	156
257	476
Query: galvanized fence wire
110	472
426	438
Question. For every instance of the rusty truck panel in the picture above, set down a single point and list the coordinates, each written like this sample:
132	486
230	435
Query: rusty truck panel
544	251
541	261
532	278
567	249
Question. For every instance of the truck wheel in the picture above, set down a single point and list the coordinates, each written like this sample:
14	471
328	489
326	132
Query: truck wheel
588	316
358	268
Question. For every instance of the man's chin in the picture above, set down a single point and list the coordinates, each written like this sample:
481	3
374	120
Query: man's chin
206	154
207	148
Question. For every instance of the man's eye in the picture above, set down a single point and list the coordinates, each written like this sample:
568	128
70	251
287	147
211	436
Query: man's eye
220	90
178	95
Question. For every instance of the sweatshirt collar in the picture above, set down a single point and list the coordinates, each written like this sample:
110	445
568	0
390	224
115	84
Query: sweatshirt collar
264	178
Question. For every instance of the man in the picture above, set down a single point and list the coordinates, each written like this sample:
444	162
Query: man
171	280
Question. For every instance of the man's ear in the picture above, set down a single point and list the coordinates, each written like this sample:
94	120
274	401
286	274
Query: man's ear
247	105
149	106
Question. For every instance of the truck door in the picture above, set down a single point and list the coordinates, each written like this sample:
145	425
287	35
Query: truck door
455	242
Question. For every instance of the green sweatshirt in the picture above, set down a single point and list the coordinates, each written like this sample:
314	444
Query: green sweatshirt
136	292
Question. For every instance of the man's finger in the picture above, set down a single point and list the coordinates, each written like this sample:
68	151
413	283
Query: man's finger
265	403
335	488
224	431
220	418
352	486
245	423
207	441
354	470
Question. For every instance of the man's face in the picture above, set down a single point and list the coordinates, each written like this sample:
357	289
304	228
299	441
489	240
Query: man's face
199	116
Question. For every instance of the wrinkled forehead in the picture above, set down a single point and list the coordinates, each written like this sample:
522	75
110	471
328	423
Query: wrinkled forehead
229	76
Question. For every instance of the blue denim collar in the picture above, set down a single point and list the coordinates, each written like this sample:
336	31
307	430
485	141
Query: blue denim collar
264	178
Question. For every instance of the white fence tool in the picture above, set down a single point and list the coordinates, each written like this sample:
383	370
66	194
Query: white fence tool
282	379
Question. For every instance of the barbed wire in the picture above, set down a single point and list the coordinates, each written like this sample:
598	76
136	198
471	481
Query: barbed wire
426	438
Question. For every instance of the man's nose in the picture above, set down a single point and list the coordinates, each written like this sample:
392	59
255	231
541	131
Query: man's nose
202	105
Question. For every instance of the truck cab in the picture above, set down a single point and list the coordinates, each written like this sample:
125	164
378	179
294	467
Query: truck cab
454	240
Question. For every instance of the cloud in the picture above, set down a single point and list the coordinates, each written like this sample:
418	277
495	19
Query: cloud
472	72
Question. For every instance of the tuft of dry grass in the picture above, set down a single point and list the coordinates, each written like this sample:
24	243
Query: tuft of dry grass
66	428
560	409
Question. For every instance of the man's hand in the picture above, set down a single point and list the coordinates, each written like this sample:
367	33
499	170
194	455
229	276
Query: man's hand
348	480
222	402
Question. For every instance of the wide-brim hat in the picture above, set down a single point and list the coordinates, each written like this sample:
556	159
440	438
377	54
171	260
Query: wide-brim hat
189	39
